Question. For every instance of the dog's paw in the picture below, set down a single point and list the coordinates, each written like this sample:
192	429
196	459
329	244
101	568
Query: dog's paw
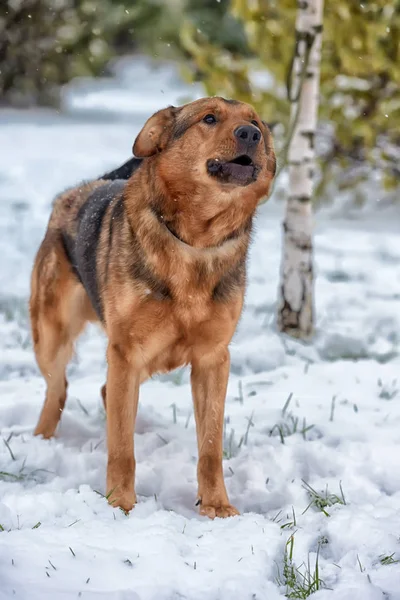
123	500
46	431
223	511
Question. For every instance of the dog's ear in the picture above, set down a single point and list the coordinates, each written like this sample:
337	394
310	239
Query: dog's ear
155	134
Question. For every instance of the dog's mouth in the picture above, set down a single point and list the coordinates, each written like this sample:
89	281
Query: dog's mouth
241	170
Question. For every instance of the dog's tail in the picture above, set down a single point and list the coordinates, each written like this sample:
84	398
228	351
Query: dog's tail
125	171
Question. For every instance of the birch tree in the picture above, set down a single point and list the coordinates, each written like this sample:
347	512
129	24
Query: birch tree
296	302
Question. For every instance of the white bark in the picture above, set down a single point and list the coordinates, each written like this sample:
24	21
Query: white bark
296	306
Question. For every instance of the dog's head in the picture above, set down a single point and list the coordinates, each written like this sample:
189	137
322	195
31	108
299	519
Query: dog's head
213	145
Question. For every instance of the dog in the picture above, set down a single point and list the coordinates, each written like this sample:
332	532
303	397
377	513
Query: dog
156	252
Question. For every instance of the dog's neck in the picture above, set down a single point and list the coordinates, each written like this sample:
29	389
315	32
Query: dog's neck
174	227
179	226
173	250
197	220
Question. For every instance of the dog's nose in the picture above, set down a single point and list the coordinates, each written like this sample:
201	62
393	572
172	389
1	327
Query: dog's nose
248	134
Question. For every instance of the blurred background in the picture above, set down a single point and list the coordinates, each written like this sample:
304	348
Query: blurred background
236	48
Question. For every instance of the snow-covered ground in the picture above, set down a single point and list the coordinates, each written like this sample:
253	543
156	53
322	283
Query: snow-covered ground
326	415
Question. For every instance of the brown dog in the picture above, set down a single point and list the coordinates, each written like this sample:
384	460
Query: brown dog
156	251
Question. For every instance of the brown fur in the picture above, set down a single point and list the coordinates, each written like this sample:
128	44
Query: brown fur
169	276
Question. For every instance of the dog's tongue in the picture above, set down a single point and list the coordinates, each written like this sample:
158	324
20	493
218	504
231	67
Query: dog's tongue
239	172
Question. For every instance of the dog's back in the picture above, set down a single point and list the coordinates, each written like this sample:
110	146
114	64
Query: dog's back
76	222
68	206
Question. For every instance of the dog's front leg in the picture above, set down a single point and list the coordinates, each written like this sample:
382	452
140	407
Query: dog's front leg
123	380
209	378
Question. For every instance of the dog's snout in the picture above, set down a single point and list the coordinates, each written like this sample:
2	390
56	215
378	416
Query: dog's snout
248	134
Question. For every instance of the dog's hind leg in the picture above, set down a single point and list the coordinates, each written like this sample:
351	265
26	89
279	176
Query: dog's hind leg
59	309
52	353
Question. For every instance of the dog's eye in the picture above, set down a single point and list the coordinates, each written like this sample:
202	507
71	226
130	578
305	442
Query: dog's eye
254	122
210	119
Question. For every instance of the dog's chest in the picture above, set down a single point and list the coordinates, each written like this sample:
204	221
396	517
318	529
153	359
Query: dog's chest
192	306
189	320
189	326
193	293
192	284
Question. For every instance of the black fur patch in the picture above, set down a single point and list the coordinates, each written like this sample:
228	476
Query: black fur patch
125	171
168	224
90	217
231	282
117	213
141	271
180	128
69	248
230	101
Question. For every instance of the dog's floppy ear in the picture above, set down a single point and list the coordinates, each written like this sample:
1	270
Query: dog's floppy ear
154	136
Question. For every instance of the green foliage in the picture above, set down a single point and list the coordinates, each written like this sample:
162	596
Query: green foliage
298	582
360	77
323	501
45	43
388	559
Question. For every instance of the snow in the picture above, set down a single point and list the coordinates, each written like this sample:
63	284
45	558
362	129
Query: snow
62	540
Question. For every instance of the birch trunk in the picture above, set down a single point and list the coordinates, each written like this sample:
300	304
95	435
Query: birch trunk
296	303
